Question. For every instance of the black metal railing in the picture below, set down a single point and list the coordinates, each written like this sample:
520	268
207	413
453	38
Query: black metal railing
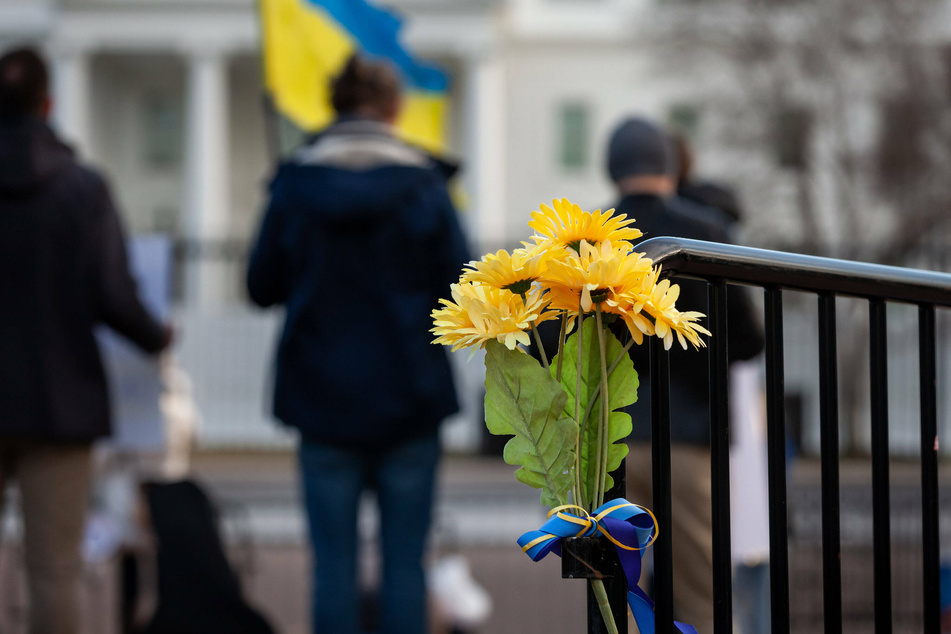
775	272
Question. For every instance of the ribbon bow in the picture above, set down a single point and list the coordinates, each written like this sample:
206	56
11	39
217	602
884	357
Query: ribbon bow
629	527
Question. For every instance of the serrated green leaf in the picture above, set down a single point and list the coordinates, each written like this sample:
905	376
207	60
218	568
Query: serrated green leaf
523	400
619	429
622	391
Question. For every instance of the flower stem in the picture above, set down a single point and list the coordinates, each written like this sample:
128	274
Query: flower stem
604	417
579	481
541	348
614	364
617	359
561	344
538	339
601	594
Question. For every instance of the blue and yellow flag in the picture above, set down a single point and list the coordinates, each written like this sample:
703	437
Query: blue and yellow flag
307	42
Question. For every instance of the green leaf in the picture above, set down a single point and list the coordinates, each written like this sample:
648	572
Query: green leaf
523	400
622	391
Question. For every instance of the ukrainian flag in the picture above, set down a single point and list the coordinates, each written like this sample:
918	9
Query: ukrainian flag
307	42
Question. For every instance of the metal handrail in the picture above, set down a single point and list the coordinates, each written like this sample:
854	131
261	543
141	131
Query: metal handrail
761	267
828	278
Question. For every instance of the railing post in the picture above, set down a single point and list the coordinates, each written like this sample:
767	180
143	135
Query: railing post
660	464
720	459
881	519
930	546
616	585
776	464
829	450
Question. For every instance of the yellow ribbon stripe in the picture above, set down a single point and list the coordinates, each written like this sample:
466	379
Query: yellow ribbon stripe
588	521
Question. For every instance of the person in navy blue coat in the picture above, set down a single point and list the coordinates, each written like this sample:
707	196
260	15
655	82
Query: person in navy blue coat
359	241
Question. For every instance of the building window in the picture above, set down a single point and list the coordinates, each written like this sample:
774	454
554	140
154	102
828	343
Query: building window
574	123
685	119
793	127
900	155
164	132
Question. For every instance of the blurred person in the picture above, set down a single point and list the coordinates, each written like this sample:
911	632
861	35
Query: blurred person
359	240
945	582
63	271
642	163
716	198
749	499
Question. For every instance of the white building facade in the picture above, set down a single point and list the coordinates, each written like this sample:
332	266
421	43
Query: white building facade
165	97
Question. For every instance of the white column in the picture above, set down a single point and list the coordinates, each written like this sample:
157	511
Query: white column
206	177
484	174
485	119
71	94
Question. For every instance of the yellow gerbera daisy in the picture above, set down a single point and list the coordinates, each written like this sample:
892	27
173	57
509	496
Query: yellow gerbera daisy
658	299
567	225
598	275
479	313
514	272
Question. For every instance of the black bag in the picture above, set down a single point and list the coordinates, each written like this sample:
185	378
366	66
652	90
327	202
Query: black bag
198	592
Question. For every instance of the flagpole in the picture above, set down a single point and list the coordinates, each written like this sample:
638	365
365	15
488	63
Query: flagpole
272	129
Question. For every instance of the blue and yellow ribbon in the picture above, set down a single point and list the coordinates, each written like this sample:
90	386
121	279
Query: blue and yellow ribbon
629	527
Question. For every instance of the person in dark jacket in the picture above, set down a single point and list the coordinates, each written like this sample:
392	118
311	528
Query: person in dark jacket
358	242
642	164
63	271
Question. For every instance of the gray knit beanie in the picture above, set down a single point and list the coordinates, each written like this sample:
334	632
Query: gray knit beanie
640	148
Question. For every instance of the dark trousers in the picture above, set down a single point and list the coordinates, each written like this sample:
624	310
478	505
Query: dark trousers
334	478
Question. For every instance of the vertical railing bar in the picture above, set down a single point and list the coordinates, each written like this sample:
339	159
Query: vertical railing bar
660	466
776	464
720	459
616	585
881	523
829	449
930	541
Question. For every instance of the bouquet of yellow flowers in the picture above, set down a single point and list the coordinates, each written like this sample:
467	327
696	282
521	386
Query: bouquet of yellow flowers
565	415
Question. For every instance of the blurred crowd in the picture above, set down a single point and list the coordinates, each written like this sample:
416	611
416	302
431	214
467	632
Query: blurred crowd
358	242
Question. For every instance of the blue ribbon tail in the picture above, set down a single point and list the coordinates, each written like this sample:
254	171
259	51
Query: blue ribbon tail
643	611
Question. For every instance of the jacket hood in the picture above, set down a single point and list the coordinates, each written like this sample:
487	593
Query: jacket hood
30	154
346	130
357	171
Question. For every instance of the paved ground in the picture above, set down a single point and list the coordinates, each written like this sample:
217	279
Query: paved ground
481	511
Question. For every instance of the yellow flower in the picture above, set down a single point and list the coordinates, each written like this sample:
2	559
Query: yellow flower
625	284
514	272
567	225
658	300
598	275
479	313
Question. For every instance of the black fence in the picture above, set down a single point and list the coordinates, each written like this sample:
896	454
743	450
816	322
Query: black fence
230	256
826	278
